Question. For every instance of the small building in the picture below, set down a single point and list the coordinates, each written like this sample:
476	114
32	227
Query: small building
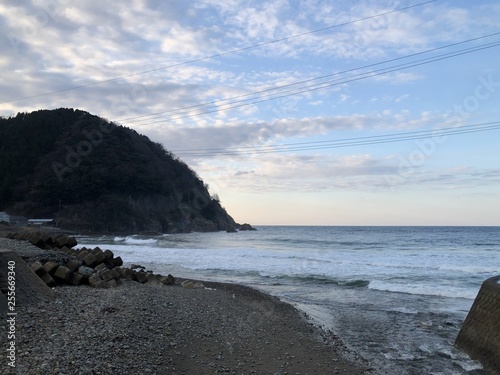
5	217
40	222
14	220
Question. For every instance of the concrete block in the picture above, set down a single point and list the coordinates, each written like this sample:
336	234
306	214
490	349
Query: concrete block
38	268
63	273
50	267
90	260
109	254
73	265
106	275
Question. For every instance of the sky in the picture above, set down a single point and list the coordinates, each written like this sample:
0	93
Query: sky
294	113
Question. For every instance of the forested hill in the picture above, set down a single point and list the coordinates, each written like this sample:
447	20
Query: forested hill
90	174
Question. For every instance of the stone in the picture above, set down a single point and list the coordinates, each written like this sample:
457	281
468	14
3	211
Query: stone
168	280
246	226
48	280
96	250
154	279
89	260
38	268
117	272
137	266
94	279
198	285
141	277
128	273
86	272
100	267
109	254
187	284
62	241
82	254
106	275
63	273
76	279
37	241
50	267
99	256
73	265
46	238
118	262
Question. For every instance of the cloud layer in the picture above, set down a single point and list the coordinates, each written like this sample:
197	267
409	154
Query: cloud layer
203	75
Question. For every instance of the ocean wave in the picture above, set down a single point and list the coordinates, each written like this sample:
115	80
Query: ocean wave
134	240
323	280
426	290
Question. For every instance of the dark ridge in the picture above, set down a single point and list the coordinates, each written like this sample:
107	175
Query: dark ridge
90	174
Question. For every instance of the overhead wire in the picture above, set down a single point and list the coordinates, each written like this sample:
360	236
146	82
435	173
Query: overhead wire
216	106
219	102
225	53
340	143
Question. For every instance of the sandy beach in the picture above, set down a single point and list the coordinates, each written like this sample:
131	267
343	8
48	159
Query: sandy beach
157	329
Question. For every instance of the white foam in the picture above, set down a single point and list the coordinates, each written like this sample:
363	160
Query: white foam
421	289
140	241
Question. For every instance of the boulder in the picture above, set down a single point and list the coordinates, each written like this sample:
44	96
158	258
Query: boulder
86	272
141	277
246	226
128	273
168	280
187	284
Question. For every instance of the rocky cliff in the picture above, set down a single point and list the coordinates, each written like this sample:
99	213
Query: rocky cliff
93	175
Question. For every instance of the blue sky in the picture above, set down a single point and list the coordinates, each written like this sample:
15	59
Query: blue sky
198	77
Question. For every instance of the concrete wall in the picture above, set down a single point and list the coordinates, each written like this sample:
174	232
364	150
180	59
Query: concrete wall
480	333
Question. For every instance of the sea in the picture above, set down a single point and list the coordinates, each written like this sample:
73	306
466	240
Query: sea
396	296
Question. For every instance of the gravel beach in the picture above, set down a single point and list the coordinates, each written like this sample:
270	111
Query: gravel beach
157	329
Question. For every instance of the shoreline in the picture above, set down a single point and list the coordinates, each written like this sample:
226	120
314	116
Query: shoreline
156	329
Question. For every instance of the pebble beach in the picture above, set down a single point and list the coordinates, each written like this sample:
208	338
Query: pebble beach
138	328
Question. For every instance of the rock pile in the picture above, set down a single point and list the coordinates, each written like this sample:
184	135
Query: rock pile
95	267
44	240
98	268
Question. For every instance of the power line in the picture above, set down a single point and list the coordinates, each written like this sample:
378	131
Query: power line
253	46
216	106
220	101
340	143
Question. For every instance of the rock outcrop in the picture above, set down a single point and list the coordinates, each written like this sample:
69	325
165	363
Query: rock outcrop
89	174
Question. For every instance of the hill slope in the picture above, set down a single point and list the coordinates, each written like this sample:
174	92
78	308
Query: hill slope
90	174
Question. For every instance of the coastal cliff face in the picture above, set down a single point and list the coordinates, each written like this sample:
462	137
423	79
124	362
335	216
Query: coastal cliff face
92	175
